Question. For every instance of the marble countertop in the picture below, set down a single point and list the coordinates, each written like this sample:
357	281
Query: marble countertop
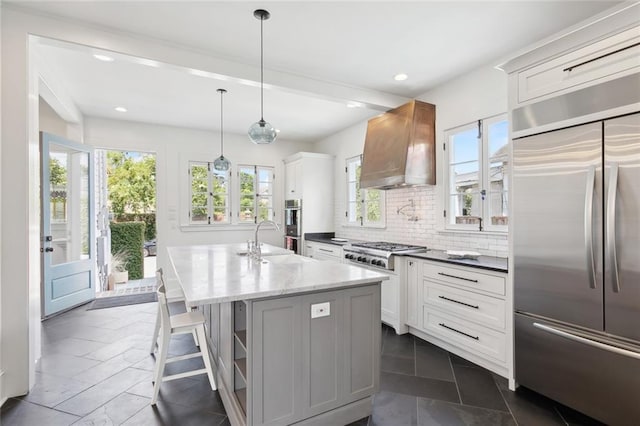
217	273
498	264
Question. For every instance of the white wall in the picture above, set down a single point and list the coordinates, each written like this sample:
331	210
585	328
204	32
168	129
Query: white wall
476	95
51	122
174	146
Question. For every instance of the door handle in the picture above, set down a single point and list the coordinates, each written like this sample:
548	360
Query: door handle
589	342
48	249
460	278
611	227
588	225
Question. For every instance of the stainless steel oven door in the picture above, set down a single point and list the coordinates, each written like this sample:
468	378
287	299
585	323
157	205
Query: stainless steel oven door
293	218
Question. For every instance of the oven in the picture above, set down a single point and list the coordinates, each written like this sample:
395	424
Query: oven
380	256
293	218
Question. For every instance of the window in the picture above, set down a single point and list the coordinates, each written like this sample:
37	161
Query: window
365	207
209	194
476	175
256	193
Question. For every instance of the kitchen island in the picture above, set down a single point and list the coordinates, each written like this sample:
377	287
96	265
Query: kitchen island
293	340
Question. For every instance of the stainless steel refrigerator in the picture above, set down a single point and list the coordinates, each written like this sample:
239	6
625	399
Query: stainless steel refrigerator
576	233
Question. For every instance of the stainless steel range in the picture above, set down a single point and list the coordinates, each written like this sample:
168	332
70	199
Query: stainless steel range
378	254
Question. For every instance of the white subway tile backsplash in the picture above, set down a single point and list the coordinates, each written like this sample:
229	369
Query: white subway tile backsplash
424	231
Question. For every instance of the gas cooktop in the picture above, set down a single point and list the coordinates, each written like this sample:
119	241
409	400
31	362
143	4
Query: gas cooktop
378	254
389	247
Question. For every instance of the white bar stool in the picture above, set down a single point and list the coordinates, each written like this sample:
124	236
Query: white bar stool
187	322
172	295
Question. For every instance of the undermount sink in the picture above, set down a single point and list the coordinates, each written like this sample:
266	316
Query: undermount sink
282	259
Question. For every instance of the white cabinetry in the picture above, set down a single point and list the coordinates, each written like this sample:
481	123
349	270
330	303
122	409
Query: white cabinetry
601	61
309	177
293	179
461	309
322	251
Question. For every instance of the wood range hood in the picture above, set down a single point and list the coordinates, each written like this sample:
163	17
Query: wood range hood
399	149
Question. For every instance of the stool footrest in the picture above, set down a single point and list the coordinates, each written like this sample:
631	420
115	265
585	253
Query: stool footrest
185	374
183	357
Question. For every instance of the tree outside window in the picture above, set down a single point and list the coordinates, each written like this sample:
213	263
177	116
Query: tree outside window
209	194
256	193
365	207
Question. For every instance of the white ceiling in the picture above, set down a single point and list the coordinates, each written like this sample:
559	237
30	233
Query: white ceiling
351	45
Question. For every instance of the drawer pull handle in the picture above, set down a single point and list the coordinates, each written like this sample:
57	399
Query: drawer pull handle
461	303
460	278
328	251
458	331
572	67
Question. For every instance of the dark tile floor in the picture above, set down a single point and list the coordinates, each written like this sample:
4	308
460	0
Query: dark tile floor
96	370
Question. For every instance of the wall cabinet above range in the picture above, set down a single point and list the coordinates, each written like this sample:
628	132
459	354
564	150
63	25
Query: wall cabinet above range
309	177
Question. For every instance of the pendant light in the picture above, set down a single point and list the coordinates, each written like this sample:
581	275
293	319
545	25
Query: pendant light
262	132
222	164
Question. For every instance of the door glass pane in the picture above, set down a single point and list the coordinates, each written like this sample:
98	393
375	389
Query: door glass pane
220	214
498	208
466	208
498	138
464	146
265	188
69	204
373	205
464	177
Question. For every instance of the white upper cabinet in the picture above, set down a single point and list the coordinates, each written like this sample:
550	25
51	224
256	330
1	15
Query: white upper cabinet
582	56
606	59
309	177
293	180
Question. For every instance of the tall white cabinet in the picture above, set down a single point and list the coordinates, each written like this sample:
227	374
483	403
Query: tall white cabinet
309	177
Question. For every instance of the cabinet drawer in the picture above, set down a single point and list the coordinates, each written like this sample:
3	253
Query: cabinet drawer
606	59
329	250
472	337
465	277
466	304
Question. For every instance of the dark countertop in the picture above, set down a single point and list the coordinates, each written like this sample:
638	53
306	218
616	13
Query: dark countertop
324	238
498	264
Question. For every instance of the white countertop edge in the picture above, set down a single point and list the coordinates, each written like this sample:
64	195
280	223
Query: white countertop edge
196	298
284	292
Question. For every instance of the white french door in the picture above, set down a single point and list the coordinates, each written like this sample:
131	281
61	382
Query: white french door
68	242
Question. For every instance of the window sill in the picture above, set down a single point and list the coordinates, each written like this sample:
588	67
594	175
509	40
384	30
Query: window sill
355	225
472	231
220	227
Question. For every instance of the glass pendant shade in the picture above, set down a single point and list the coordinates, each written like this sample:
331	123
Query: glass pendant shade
262	132
221	164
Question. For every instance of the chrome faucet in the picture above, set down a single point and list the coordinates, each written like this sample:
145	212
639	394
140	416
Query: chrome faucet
256	252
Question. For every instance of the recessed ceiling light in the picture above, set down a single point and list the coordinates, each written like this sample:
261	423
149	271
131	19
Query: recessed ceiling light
400	77
277	130
354	104
104	58
120	109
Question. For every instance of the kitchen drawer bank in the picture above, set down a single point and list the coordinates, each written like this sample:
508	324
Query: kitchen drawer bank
461	309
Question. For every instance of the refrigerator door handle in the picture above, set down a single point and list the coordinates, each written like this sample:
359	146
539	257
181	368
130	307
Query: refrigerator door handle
589	342
588	225
611	226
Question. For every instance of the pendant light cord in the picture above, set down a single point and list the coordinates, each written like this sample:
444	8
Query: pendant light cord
261	69
221	126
